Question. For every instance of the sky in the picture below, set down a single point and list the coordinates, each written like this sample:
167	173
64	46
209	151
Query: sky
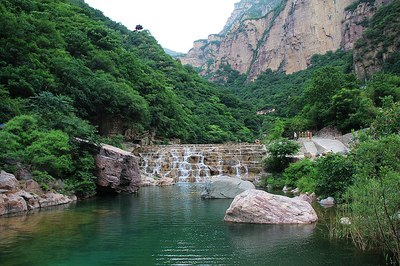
175	24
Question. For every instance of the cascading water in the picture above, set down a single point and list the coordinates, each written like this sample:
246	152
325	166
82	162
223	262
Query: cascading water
200	163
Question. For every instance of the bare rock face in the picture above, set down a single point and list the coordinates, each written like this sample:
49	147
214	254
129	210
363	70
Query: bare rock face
282	36
256	206
14	203
8	181
356	21
26	195
117	170
226	187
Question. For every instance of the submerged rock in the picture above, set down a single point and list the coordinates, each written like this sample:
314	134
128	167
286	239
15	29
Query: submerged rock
165	181
148	181
257	206
117	170
226	187
328	202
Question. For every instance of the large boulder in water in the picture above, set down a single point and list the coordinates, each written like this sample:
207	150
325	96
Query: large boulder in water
117	170
260	207
225	187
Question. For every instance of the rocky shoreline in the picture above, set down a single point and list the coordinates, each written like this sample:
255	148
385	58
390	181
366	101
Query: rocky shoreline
26	195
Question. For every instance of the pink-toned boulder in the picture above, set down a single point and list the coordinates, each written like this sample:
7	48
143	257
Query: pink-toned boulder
8	181
306	197
15	203
53	199
165	181
260	207
32	186
2	204
117	170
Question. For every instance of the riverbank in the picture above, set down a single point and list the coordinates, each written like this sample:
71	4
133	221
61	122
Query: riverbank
26	195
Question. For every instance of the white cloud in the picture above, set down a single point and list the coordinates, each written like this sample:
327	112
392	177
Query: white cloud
174	23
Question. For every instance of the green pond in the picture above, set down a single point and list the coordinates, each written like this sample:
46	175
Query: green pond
164	226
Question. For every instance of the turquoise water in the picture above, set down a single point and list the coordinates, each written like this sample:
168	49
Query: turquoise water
164	226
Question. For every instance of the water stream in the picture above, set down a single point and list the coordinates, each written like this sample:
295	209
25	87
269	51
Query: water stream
164	226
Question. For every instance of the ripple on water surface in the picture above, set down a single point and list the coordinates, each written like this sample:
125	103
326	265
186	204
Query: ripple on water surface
164	226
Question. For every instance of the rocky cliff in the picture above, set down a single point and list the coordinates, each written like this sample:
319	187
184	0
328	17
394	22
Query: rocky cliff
283	35
117	170
379	47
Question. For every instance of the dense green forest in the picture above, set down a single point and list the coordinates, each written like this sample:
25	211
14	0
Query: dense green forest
117	80
69	72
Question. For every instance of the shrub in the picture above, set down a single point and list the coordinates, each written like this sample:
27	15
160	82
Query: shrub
334	175
279	155
373	201
298	170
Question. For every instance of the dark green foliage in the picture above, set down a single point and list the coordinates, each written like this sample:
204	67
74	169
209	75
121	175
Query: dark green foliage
114	77
332	98
387	121
382	85
279	155
49	153
334	175
373	200
302	170
330	175
354	5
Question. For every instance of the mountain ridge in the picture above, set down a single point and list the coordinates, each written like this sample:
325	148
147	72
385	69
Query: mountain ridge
283	36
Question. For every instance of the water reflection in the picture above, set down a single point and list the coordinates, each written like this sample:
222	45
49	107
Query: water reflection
163	226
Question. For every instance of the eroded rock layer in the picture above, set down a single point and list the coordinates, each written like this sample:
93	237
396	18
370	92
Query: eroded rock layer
283	35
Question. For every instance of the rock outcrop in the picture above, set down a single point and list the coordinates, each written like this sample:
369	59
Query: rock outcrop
280	35
117	170
226	187
20	196
256	206
381	45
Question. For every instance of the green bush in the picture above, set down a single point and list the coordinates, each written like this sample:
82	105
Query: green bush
43	179
279	155
304	169
307	183
373	200
334	175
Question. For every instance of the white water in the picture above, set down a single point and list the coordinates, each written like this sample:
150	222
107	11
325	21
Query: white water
191	163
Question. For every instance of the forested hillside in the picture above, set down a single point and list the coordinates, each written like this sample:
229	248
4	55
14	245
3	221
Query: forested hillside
328	93
120	81
67	72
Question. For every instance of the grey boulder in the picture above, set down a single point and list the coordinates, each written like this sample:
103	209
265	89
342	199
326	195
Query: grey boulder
225	187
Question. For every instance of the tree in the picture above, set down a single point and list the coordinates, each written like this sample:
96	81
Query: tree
279	155
138	27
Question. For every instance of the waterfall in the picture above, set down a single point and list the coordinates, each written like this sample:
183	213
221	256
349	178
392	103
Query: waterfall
201	163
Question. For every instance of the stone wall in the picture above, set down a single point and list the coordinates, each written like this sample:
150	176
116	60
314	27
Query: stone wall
191	163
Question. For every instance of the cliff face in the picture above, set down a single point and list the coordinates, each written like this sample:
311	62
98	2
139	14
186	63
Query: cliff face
381	42
283	35
356	21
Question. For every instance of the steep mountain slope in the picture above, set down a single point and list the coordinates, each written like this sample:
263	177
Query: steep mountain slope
379	48
121	81
283	36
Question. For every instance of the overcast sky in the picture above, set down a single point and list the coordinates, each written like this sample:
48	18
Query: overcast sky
174	23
